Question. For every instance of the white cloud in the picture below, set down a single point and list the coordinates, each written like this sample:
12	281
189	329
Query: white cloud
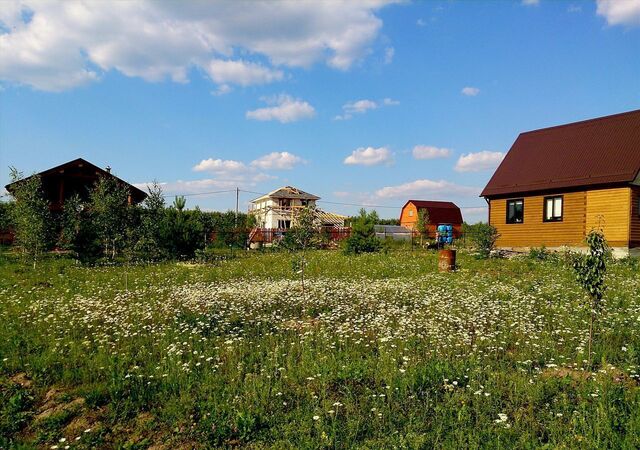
362	106
359	107
574	8
426	187
286	109
619	12
230	174
277	160
240	72
531	2
222	90
477	162
475	210
66	44
369	156
470	91
430	152
194	186
389	52
421	22
219	166
475	214
205	185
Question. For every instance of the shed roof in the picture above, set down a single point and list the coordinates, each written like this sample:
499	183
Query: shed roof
439	212
327	218
600	151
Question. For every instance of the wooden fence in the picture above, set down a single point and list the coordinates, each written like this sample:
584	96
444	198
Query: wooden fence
270	235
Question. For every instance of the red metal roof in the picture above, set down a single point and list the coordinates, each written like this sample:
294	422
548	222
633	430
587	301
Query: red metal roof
605	150
439	212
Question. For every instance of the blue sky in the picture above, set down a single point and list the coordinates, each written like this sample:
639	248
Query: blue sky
360	102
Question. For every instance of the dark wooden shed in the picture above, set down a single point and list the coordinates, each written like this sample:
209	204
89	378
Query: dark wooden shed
77	177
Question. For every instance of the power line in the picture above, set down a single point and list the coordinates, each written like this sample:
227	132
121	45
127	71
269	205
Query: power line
359	204
319	201
199	193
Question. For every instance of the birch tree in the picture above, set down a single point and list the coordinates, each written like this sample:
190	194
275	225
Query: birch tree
30	215
109	205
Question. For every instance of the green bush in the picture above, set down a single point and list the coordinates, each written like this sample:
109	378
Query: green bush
484	237
363	236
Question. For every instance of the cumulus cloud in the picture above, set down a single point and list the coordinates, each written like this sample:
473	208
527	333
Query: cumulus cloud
475	210
192	186
362	106
229	174
219	165
430	152
426	187
277	160
389	53
207	185
470	91
531	2
60	45
231	169
240	72
477	162
369	156
286	109
475	214
222	90
359	107
620	12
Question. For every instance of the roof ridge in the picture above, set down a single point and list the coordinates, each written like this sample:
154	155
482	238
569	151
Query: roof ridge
593	119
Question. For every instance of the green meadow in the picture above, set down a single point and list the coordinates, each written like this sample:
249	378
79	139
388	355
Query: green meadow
377	351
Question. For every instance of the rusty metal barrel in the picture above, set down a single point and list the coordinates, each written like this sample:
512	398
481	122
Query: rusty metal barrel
446	260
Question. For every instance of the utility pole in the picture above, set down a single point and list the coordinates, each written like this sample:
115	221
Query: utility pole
237	204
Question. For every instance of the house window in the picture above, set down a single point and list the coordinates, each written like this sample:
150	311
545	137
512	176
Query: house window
515	211
411	213
553	209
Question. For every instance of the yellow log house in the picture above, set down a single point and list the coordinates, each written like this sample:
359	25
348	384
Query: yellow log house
556	184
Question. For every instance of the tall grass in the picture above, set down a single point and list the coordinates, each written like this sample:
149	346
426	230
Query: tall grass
382	351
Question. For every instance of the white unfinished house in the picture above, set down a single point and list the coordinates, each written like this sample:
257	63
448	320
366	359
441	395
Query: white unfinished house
276	212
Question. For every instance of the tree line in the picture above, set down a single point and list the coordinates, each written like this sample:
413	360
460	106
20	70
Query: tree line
104	225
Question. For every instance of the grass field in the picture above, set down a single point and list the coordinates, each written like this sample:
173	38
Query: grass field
379	351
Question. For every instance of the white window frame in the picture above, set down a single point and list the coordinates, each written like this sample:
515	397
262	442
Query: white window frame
553	209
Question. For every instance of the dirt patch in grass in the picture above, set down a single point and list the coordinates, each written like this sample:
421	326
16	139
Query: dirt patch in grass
23	380
565	372
302	324
54	403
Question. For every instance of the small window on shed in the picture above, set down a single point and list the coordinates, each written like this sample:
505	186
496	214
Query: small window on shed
515	211
411	213
553	209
